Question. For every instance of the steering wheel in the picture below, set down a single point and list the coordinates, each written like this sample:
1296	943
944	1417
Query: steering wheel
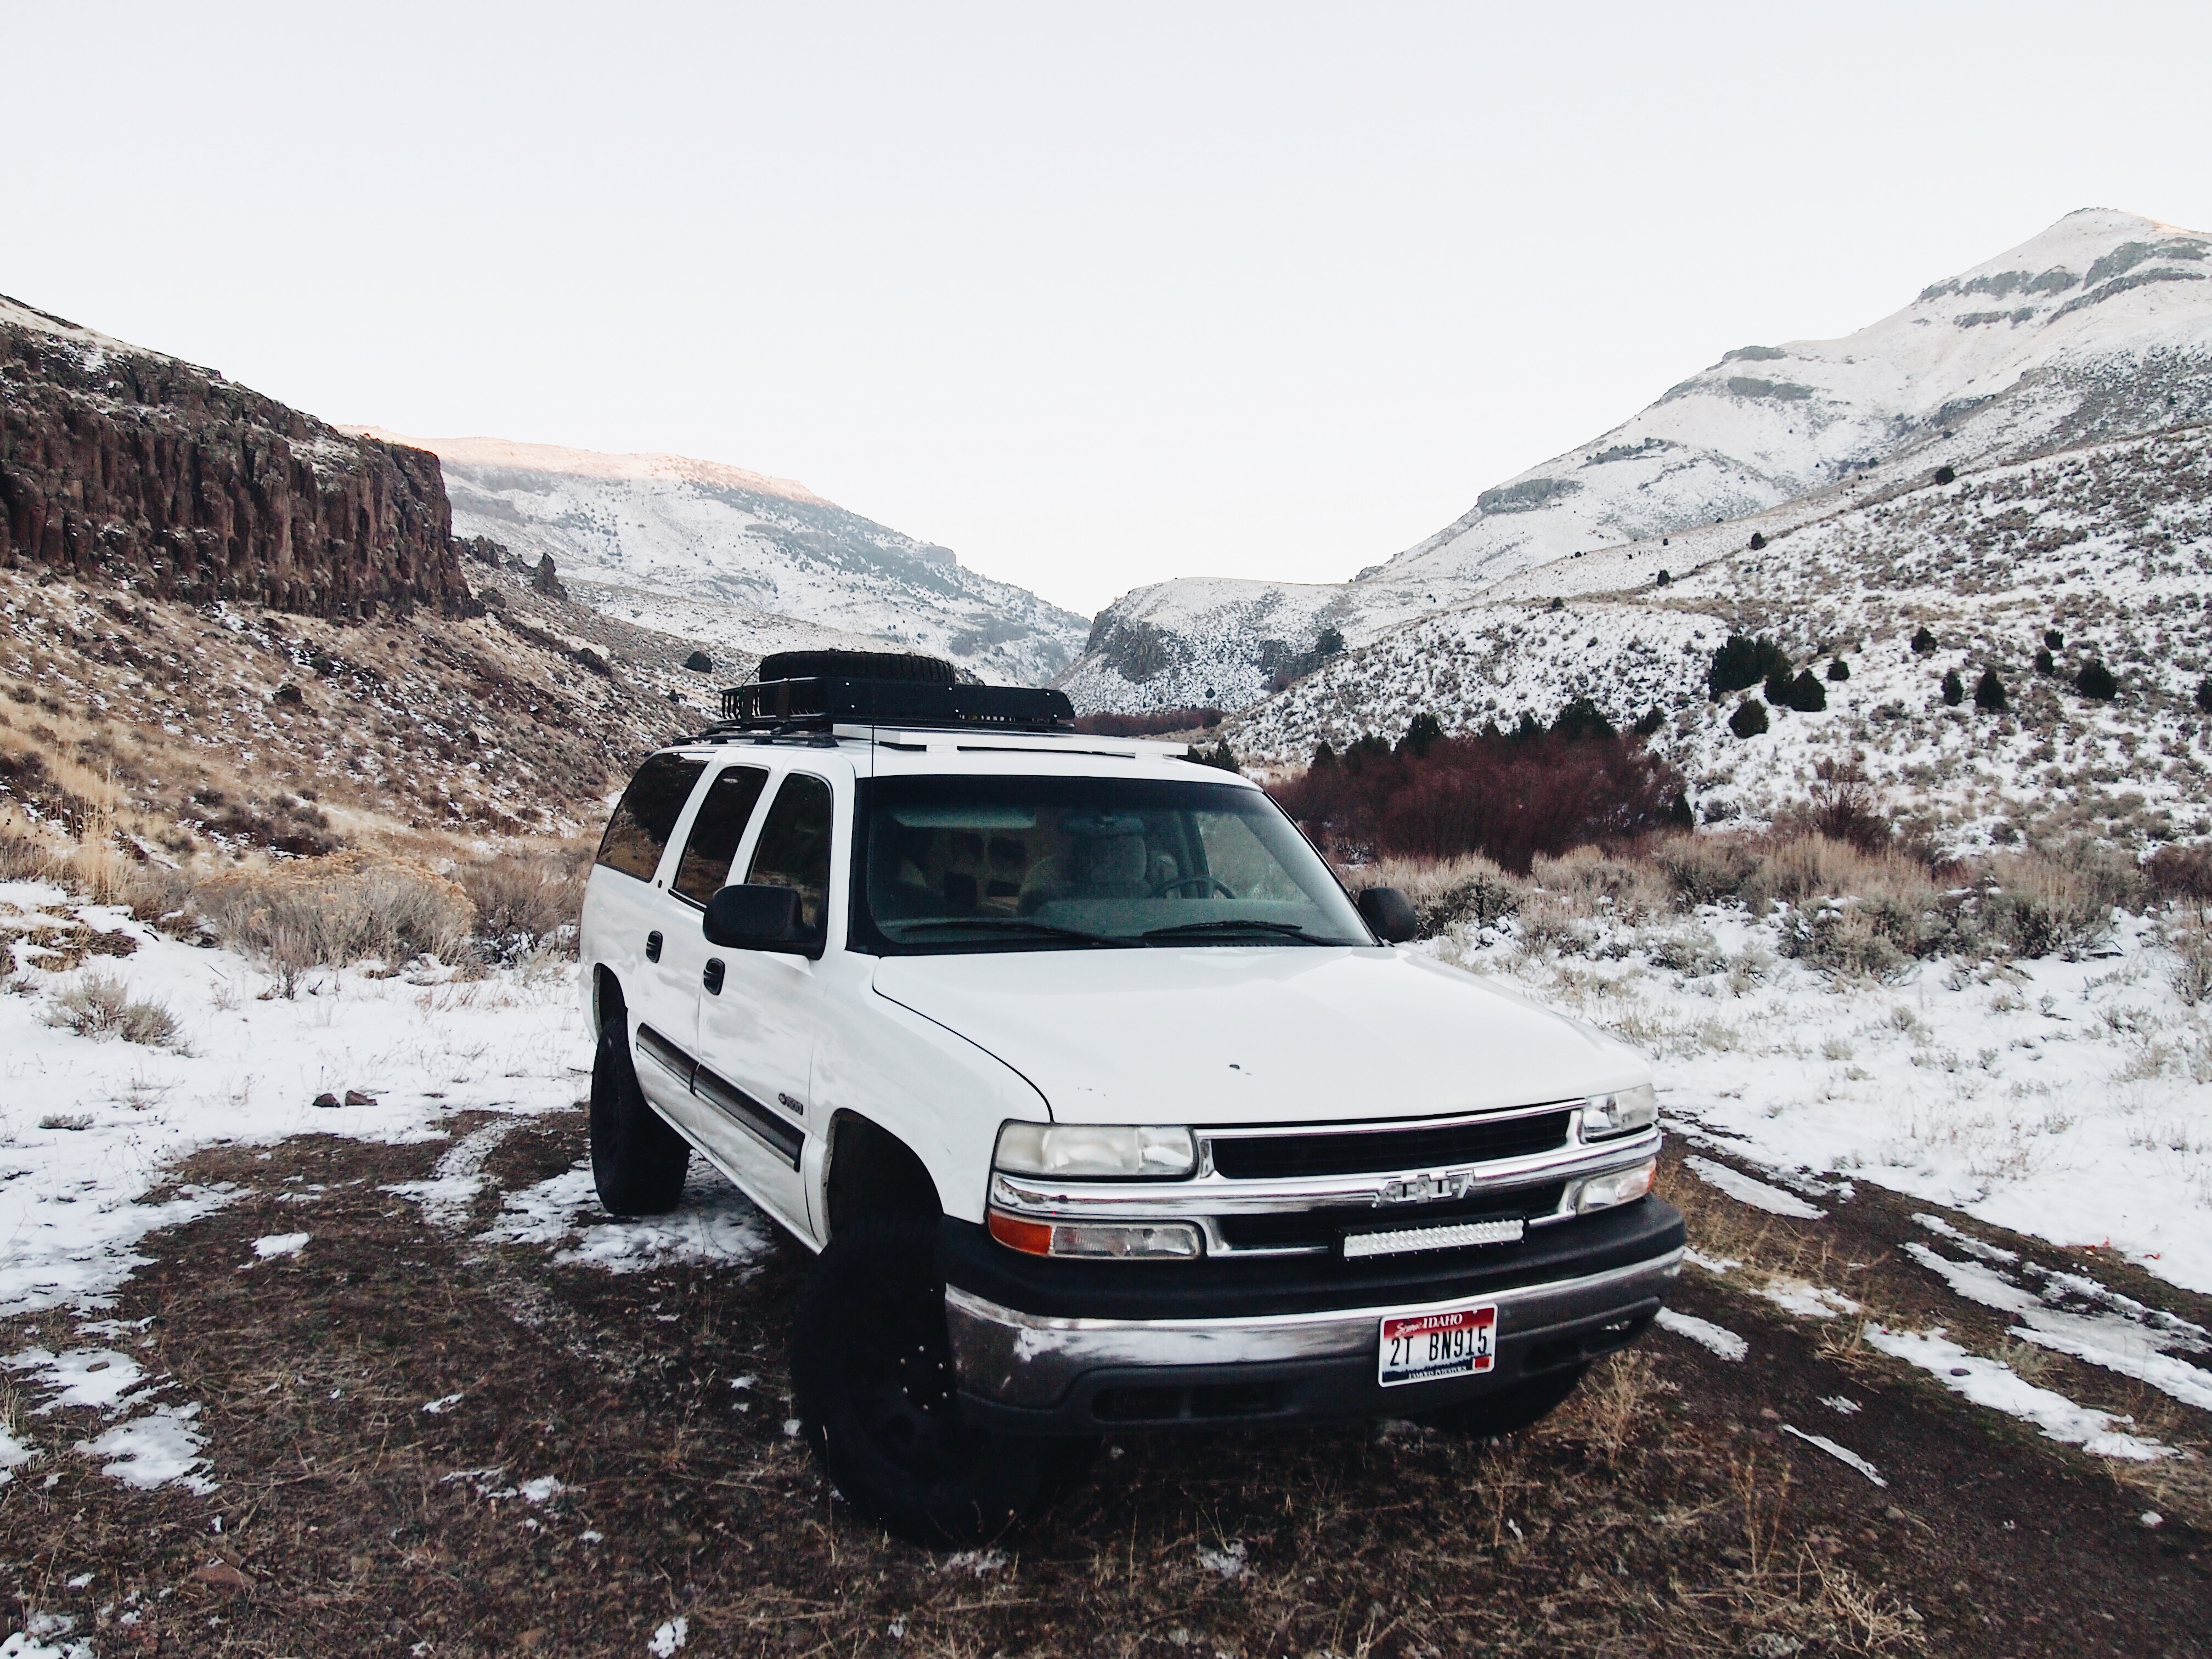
1209	885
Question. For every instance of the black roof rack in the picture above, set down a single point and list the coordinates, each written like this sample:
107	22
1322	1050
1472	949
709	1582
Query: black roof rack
818	701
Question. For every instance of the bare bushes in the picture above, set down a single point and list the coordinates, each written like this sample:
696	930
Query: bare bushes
1628	890
1446	892
331	911
527	902
2055	901
99	1006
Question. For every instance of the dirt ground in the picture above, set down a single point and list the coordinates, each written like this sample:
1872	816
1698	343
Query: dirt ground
1665	1511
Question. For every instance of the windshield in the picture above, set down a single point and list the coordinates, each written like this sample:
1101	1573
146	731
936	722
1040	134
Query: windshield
1058	864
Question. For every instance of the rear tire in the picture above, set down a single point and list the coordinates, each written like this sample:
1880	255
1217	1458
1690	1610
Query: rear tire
1510	1410
873	1384
638	1162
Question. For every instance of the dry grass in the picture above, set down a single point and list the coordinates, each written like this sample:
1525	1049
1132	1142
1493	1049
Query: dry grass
527	899
348	907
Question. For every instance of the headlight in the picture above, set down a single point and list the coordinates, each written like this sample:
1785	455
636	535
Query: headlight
1621	1187
1094	1150
1624	1112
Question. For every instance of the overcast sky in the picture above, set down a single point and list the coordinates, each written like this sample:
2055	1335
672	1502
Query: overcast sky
1095	295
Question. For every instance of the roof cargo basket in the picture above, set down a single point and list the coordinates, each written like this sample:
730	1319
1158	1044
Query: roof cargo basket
813	691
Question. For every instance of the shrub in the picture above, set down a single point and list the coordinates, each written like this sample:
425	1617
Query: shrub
1742	663
1630	889
2095	682
2204	695
1757	542
1705	869
1842	806
1507	797
1946	475
1845	941
2057	901
1804	693
1749	719
1583	718
2053	640
1839	670
1221	755
98	1005
1147	724
335	911
527	901
1989	693
1664	578
1922	640
1954	689
2182	873
2044	664
1469	889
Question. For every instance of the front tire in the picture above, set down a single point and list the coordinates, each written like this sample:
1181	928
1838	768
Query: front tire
873	1377
1510	1410
638	1162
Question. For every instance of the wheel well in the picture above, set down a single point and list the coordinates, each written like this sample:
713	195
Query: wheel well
873	1172
608	1007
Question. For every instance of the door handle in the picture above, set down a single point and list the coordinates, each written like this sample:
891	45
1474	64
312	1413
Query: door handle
652	945
711	976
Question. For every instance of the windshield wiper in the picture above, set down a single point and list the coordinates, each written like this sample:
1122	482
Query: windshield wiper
1242	925
1013	924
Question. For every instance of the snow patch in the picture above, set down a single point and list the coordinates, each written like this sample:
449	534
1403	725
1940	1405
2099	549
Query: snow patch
1757	1194
1718	1339
1998	1387
1841	1454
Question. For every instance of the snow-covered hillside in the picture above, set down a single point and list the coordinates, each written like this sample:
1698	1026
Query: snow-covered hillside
742	562
2101	326
2108	546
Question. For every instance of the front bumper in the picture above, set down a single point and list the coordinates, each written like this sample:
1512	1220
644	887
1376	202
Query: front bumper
1273	1360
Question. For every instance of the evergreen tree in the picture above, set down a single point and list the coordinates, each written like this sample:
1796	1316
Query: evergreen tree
2044	664
1757	542
2095	682
1582	719
1989	693
1946	475
1424	730
1664	578
1742	662
2054	639
2204	694
1749	719
1839	670
1922	640
1954	690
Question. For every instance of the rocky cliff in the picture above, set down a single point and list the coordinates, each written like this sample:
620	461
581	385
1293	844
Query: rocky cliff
125	463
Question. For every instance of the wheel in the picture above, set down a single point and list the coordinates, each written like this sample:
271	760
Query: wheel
872	1380
1208	886
1510	1410
637	1161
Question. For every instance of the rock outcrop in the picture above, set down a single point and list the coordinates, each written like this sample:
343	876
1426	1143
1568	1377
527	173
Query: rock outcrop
121	462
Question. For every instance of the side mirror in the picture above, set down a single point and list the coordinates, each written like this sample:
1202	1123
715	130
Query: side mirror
1389	913
754	917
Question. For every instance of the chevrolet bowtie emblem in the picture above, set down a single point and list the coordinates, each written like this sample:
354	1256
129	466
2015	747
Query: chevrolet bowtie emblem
1450	1183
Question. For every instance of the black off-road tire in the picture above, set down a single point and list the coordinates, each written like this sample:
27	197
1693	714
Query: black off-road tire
1510	1410
872	1379
638	1162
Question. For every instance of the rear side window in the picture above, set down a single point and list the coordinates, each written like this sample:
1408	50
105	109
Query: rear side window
794	846
639	831
715	833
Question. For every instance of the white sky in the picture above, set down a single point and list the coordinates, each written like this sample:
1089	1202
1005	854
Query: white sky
1094	296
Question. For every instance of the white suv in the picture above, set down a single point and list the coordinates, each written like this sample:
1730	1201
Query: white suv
1103	1105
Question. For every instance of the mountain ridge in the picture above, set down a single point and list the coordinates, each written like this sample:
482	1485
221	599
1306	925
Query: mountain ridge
2098	327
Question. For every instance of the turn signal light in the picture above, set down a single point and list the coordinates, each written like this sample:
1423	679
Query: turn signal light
1621	1187
1099	1241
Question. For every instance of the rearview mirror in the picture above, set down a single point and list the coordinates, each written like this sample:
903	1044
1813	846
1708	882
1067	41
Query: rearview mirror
1389	913
755	917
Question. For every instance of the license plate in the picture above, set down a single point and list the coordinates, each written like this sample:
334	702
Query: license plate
1420	1347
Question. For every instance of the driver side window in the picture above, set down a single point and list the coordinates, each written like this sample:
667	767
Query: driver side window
793	850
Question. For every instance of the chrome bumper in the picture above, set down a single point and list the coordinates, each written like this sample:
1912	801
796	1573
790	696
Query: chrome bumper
1032	1361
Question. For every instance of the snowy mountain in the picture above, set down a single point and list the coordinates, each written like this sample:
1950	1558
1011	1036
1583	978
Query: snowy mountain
2099	328
741	562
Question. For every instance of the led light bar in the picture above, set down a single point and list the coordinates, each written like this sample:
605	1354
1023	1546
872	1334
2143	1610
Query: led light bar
1456	1236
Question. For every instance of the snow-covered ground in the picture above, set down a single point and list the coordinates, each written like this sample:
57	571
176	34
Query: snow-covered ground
2070	1101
